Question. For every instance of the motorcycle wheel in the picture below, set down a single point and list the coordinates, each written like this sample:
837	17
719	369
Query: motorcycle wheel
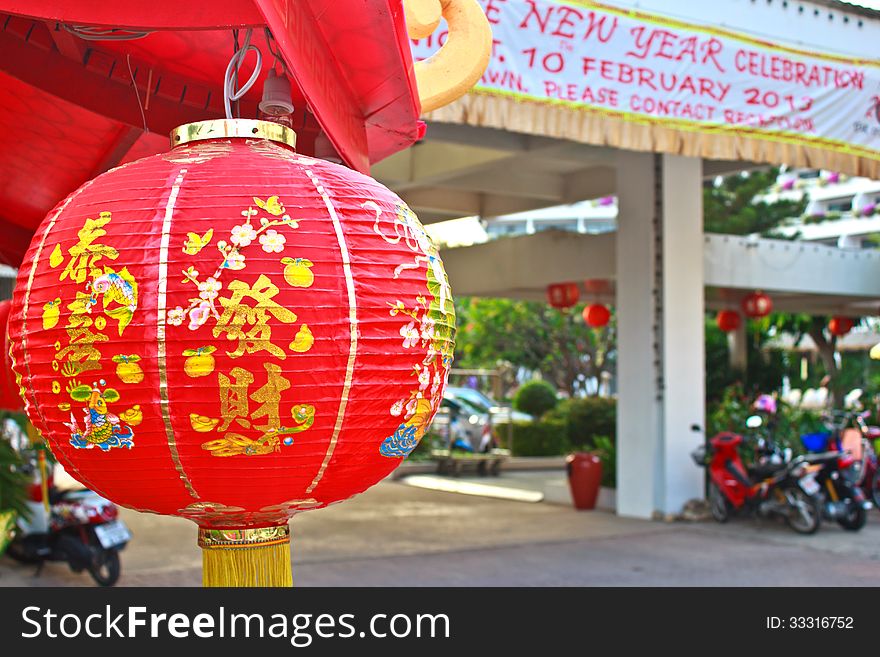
855	518
806	516
105	567
719	507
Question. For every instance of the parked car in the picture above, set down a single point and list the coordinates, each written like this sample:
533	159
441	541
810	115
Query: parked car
462	424
498	413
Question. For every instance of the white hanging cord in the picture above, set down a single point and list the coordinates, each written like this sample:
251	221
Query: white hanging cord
230	93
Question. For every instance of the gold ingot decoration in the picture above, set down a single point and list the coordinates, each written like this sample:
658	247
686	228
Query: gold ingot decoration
303	340
202	423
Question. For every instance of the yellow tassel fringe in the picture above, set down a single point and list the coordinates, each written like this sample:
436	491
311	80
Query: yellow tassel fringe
246	558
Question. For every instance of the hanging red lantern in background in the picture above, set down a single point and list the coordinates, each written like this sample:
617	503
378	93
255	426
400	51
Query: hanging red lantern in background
9	398
563	295
596	315
757	304
728	320
840	326
232	333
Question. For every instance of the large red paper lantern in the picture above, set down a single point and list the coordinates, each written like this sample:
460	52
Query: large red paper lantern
840	326
596	315
728	320
757	304
563	295
232	333
9	398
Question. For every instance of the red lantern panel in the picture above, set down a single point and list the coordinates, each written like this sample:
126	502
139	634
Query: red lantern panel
840	326
232	332
728	320
563	295
9	398
757	304
596	315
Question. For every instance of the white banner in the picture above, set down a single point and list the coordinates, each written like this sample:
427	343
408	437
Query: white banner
651	69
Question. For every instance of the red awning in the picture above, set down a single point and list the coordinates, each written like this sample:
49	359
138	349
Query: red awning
69	111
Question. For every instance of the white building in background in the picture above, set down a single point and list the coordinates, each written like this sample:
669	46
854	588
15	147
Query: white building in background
841	211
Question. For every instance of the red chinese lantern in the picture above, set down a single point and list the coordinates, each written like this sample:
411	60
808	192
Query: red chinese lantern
596	315
728	320
757	304
563	295
9	399
840	326
232	333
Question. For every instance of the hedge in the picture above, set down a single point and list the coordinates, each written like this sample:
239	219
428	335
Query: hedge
541	438
585	418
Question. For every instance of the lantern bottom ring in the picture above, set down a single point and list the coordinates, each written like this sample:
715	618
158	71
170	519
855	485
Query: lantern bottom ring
210	539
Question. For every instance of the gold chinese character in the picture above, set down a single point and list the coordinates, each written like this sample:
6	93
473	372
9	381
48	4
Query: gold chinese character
234	398
269	396
84	255
236	315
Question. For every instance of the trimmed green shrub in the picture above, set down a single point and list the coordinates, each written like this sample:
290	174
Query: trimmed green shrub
541	438
535	398
585	418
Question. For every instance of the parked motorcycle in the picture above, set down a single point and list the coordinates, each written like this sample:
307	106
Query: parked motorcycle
75	526
869	473
772	486
843	500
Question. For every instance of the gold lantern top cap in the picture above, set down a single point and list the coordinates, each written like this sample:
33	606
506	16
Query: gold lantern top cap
237	128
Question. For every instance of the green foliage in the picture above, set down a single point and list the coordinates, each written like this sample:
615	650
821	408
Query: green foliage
13	483
731	208
585	418
789	423
535	398
539	438
606	450
535	337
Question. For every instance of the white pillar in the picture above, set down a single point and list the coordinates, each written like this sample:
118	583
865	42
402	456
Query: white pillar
660	307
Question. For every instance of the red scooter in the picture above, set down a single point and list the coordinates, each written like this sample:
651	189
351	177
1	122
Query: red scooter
773	486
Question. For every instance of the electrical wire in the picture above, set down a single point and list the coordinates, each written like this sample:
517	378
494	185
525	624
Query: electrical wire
136	92
89	33
230	80
270	40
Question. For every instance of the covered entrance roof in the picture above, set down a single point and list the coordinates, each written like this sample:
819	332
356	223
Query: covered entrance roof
800	277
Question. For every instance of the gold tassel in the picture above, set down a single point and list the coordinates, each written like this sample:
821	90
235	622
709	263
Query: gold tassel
246	557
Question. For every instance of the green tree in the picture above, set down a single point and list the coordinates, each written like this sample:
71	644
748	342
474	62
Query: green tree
533	336
730	206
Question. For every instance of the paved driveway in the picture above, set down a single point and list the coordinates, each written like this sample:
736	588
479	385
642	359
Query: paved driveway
399	535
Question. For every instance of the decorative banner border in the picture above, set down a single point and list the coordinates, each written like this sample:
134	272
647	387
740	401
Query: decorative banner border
651	83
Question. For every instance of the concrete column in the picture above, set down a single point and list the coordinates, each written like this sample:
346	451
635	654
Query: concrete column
737	344
661	372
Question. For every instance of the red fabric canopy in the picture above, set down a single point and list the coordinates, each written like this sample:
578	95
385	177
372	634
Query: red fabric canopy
69	111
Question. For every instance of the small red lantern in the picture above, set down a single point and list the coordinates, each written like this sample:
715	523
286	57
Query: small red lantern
9	399
232	333
596	315
728	320
757	304
563	295
840	326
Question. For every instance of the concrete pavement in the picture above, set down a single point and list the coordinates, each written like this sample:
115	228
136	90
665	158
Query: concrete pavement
399	535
